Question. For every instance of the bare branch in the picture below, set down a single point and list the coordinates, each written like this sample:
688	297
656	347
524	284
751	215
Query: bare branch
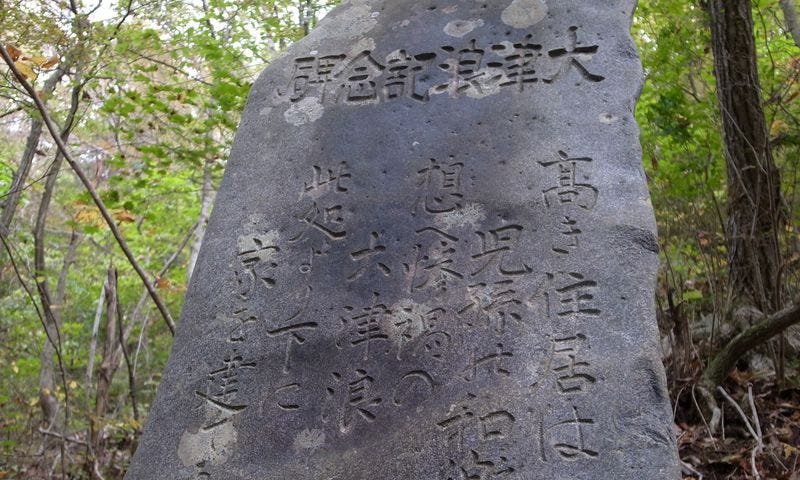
90	188
754	336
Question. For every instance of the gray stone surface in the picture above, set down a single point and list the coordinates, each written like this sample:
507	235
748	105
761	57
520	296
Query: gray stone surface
432	257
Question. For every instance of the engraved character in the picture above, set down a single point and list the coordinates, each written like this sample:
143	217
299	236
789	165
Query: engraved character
287	397
465	71
573	56
365	256
414	387
243	318
311	77
477	443
518	63
436	344
410	323
572	234
325	180
496	304
442	187
572	295
222	387
495	246
570	371
257	255
359	80
434	266
569	191
493	362
568	438
293	328
365	327
349	399
327	220
401	75
301	79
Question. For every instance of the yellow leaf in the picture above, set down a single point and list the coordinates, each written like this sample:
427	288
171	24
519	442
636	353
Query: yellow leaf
789	450
73	385
162	283
25	70
87	215
33	402
51	62
14	367
37	60
13	51
778	127
123	216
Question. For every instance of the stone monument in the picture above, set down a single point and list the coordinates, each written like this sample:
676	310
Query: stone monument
432	257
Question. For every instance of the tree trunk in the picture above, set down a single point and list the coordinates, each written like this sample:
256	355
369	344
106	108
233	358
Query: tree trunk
755	212
790	18
47	397
31	145
206	202
104	377
21	175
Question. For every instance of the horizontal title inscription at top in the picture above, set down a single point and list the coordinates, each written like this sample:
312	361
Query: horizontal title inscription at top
471	70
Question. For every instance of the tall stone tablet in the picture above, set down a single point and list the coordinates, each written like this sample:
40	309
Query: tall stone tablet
432	258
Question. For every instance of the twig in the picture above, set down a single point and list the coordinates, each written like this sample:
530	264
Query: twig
136	311
756	436
93	345
760	439
689	468
715	414
90	188
62	437
131	376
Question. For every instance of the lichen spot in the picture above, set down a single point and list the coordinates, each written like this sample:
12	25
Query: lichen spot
459	28
214	446
471	214
307	110
524	13
309	440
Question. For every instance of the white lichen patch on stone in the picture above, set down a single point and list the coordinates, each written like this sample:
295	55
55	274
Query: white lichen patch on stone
309	440
248	241
307	110
524	13
361	20
488	88
356	20
470	214
214	446
362	45
459	28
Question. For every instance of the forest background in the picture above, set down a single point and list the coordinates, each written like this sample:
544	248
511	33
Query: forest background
146	95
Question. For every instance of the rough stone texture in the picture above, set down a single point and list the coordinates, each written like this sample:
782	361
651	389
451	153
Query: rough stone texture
432	257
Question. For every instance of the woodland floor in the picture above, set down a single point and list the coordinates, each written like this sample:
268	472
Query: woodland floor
727	455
